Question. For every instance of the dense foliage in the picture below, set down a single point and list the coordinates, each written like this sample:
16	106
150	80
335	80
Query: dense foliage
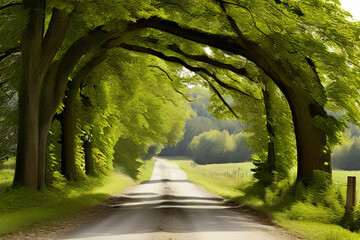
87	74
7	122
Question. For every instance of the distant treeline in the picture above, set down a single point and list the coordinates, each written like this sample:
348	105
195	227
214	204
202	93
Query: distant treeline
347	155
220	147
207	139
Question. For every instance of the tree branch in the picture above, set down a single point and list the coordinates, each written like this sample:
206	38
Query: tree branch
59	72
232	20
313	68
54	36
220	97
11	4
174	4
296	11
9	52
181	62
224	42
85	44
236	45
176	90
153	66
206	59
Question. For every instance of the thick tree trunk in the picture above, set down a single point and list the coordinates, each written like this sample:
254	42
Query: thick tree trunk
26	172
310	140
38	97
37	54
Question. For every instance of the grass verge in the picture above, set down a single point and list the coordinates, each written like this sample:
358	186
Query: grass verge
299	217
21	208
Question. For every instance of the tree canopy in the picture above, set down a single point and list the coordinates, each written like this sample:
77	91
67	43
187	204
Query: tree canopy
304	54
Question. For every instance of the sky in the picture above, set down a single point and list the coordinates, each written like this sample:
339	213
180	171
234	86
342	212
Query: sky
352	6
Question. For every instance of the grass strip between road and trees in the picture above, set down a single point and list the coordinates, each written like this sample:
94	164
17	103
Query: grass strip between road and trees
22	208
299	217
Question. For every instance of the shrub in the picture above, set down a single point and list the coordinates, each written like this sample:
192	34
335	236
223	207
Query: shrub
220	147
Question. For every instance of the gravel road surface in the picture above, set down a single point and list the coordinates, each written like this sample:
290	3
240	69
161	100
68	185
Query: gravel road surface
169	207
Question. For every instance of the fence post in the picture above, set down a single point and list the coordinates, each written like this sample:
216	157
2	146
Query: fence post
351	193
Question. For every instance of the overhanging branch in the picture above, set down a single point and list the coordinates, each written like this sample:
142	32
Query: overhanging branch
232	20
153	66
215	63
10	51
197	70
175	89
183	63
220	97
295	10
11	4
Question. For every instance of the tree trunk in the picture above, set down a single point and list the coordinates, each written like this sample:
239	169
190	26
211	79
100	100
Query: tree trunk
68	161
310	141
270	131
26	172
89	161
68	119
43	152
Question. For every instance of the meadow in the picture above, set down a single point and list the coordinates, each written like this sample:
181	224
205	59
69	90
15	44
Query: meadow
300	215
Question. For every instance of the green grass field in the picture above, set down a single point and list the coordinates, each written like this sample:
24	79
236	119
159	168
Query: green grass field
21	208
302	218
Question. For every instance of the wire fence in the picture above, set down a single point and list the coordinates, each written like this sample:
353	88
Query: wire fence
237	175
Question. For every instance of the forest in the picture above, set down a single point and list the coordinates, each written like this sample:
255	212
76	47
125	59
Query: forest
89	86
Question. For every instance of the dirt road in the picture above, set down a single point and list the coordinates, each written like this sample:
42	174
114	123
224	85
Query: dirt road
170	207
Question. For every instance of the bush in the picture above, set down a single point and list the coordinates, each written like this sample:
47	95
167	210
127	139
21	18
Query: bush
220	147
127	156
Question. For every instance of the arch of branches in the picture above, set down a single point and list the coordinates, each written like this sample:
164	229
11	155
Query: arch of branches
252	43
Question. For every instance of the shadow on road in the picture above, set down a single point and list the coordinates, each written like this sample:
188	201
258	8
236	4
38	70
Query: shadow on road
156	214
169	204
164	181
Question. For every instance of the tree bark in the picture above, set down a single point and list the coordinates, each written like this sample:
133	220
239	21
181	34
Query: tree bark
89	161
37	53
68	163
311	141
68	118
43	152
26	172
43	86
271	146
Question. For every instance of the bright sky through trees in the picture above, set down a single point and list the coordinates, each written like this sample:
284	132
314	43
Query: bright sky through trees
352	6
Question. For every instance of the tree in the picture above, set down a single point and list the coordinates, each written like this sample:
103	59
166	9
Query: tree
220	147
289	42
45	71
285	56
68	121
